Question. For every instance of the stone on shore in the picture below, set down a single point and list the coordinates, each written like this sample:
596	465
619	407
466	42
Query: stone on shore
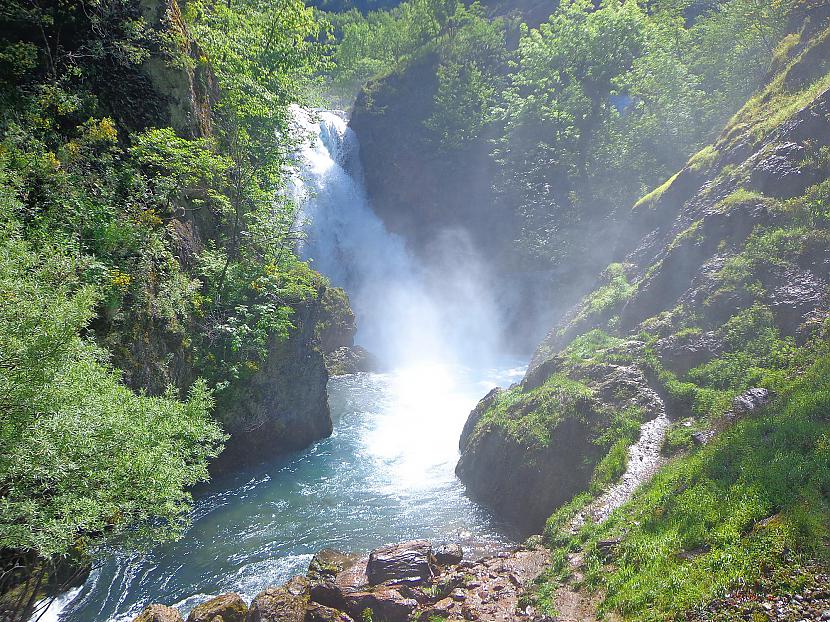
225	608
158	613
408	562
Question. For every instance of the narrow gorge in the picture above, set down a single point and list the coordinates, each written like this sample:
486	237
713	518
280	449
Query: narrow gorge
535	329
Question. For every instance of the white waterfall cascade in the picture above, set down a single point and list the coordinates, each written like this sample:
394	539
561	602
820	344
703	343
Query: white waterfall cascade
407	313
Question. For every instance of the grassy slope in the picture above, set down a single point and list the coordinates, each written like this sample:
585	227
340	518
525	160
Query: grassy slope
753	505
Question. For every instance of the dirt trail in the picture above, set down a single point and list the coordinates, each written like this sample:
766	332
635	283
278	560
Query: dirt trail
644	459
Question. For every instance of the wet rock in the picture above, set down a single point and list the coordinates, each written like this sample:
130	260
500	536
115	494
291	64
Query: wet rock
386	604
778	173
281	604
350	360
320	613
448	554
224	608
408	562
158	613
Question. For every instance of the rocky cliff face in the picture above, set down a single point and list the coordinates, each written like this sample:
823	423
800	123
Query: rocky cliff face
440	201
729	269
283	405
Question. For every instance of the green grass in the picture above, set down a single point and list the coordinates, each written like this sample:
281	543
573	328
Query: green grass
776	103
650	200
754	502
595	346
611	467
741	196
720	516
530	417
703	159
609	296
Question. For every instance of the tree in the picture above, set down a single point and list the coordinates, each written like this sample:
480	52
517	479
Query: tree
85	461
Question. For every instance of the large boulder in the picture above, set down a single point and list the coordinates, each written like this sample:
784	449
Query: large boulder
408	562
224	608
158	613
386	604
353	578
281	604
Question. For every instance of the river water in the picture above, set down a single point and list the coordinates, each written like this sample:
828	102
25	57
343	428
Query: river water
387	472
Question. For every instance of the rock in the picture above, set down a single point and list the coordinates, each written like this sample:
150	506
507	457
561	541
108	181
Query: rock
750	401
320	613
439	610
350	360
327	563
449	554
607	548
703	437
386	604
158	613
353	578
408	562
778	173
322	574
283	406
281	604
224	608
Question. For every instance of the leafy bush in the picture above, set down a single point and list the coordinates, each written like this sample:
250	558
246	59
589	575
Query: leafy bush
76	442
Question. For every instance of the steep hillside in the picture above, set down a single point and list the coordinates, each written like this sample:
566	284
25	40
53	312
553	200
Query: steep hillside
726	291
159	319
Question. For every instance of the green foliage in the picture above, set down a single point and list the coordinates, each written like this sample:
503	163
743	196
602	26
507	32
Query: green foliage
611	467
593	347
735	507
471	77
609	296
158	243
754	349
60	494
375	44
530	417
813	207
753	504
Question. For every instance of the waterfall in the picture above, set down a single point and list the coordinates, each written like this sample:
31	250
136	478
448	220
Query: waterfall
407	312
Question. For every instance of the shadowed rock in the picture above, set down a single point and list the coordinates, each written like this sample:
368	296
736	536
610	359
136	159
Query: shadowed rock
323	570
386	604
449	554
321	613
408	562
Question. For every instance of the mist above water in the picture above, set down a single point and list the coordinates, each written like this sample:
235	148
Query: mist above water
407	312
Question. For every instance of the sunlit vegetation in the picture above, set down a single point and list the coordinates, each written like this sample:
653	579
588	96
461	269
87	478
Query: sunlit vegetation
116	136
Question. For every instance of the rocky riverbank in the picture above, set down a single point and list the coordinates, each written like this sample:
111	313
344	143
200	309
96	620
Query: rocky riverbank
413	580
